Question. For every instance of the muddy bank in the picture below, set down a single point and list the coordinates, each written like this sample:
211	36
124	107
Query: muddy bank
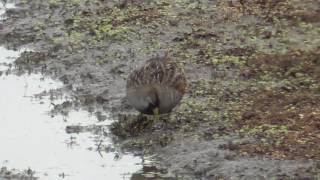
251	110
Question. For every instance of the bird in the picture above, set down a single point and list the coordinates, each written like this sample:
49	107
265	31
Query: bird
156	87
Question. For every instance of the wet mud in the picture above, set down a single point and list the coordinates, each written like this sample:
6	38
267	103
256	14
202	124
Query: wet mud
252	109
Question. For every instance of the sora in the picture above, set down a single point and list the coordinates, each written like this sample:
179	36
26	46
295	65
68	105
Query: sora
157	87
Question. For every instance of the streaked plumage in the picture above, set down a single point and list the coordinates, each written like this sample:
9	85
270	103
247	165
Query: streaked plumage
158	85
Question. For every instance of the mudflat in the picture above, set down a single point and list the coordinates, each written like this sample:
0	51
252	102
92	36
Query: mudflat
253	68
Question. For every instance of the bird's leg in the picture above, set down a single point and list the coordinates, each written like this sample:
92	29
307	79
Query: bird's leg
165	121
156	113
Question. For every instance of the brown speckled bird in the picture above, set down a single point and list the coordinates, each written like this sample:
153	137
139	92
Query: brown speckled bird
157	87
